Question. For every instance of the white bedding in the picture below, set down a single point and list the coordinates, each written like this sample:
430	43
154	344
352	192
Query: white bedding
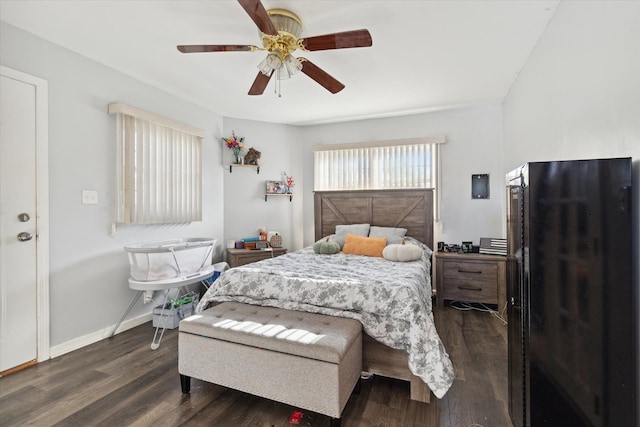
392	300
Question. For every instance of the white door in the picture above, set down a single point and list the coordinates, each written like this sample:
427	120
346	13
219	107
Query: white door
19	222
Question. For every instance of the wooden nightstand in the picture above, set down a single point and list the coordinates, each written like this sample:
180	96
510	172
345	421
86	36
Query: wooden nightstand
471	277
238	257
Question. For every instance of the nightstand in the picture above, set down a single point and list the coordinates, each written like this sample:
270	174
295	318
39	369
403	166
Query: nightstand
471	277
238	257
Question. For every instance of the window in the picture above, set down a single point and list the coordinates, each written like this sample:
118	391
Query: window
399	164
159	169
409	163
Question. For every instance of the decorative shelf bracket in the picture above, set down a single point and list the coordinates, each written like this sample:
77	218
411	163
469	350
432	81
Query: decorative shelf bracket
275	194
257	168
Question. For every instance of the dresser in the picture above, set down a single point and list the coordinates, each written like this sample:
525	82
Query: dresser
470	277
238	257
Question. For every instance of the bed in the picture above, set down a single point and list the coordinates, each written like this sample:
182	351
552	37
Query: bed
391	299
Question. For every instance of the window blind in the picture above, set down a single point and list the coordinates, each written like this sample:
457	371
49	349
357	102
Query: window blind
374	167
397	164
159	169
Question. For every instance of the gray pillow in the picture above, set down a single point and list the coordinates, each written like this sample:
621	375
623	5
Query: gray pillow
343	230
394	235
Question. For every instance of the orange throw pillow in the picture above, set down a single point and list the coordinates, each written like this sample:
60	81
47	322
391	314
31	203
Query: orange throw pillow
368	246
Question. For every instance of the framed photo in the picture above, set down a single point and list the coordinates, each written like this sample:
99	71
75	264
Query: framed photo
276	187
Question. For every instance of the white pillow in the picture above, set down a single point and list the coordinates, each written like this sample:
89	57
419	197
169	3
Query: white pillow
402	252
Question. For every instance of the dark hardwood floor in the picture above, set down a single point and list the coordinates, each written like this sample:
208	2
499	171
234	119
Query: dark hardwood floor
122	382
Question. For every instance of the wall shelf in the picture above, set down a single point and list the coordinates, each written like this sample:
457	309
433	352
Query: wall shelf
256	167
290	195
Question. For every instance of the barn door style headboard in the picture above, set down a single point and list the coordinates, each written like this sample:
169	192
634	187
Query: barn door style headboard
410	209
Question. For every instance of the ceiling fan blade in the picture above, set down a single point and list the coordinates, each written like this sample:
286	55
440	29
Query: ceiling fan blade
321	77
260	84
258	13
197	48
343	40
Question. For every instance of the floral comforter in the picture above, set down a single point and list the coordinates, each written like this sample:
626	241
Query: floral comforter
392	300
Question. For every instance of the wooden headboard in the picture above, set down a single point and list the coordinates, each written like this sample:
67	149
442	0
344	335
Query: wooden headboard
410	209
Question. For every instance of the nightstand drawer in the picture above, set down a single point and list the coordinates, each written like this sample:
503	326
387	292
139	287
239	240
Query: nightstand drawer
467	290
470	277
470	272
250	257
238	257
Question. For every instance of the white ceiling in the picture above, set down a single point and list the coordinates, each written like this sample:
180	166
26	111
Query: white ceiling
426	55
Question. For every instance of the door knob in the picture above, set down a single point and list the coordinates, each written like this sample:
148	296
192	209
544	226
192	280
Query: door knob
24	236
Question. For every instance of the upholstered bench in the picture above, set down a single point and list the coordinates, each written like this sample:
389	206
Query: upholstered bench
306	360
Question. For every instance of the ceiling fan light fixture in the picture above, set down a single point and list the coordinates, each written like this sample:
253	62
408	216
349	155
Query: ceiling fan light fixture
286	22
271	62
264	67
284	68
283	73
274	59
292	64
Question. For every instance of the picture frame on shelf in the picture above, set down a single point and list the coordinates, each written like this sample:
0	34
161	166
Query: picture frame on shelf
276	187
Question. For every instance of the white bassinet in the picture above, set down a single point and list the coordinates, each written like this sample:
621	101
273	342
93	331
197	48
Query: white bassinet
167	259
168	264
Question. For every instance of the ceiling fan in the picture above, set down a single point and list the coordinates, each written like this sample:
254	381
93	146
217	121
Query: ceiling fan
280	31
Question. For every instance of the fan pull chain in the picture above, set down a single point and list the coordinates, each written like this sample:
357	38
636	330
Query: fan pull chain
276	86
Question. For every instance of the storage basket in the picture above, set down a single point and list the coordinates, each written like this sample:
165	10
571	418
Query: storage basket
276	241
172	315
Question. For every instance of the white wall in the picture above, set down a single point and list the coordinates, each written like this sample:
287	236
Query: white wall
474	145
578	96
245	208
88	268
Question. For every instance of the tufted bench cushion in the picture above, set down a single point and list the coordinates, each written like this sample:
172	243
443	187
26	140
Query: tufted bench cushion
308	335
308	360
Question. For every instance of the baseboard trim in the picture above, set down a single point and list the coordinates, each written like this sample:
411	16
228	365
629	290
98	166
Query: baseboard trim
96	336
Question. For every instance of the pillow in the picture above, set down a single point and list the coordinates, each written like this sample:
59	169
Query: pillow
326	247
343	230
402	252
368	246
394	235
322	239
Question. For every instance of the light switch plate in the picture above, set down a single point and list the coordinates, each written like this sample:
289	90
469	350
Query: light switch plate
89	197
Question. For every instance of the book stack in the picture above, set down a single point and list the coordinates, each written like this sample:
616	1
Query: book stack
491	246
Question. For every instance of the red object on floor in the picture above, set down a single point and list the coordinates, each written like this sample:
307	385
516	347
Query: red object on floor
296	417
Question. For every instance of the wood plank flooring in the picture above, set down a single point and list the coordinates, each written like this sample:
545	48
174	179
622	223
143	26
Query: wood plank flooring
122	382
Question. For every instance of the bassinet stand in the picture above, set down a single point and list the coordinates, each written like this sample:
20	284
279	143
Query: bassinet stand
161	285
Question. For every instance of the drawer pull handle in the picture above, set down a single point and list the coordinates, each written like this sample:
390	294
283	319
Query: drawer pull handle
470	271
470	288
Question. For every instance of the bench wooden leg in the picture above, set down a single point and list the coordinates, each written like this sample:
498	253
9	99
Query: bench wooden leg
185	383
335	422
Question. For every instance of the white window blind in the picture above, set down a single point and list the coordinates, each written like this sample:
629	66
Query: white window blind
398	164
159	169
373	166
